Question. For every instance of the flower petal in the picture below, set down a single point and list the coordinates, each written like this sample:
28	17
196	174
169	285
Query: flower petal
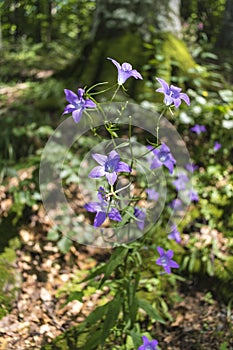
80	93
160	251
174	264
113	154
170	253
69	109
89	104
111	177
177	102
136	74
96	172
100	158
122	166
156	163
185	97
114	215
99	218
71	96
77	115
170	165
167	269
115	62
165	85
92	207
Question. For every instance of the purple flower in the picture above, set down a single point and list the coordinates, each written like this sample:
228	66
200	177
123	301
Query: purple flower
77	104
165	260
191	167
172	94
163	156
175	234
152	194
148	344
180	182
109	166
217	146
102	209
140	215
193	196
198	129
176	204
125	71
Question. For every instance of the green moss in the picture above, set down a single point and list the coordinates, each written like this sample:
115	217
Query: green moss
175	54
8	278
124	48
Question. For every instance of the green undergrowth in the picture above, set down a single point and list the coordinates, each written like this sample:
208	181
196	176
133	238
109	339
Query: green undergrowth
9	280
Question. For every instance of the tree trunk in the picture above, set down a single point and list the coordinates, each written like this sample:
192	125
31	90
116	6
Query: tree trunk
120	29
225	40
1	43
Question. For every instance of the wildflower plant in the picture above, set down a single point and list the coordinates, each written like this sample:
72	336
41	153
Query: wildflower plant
121	185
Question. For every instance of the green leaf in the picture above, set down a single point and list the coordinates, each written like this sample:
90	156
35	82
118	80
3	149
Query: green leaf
93	341
96	315
137	338
146	306
64	244
112	317
53	235
97	271
116	259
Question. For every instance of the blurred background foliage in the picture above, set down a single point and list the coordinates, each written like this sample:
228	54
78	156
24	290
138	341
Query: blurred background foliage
49	45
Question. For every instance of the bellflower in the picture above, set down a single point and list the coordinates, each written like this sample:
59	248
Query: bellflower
181	182
175	234
140	215
217	146
193	196
102	209
125	71
176	204
109	167
165	260
152	194
172	94
198	129
77	104
163	156
191	167
148	344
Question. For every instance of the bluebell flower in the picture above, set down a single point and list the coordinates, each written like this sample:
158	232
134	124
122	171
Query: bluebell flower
77	104
198	129
193	196
172	94
148	344
141	216
109	167
125	71
217	146
102	209
165	260
181	182
176	204
163	156
191	167
175	234
152	194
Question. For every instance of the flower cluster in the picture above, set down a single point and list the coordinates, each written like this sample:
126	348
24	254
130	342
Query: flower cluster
110	166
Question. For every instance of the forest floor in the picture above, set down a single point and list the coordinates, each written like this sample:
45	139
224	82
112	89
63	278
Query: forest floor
38	313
